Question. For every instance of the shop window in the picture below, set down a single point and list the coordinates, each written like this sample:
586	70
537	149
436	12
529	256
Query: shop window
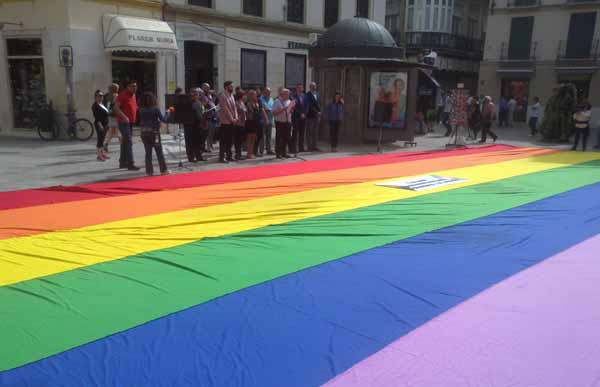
332	11
128	66
295	70
201	3
362	8
295	11
254	68
27	80
253	7
519	89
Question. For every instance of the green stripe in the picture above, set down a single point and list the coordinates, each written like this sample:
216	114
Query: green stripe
42	317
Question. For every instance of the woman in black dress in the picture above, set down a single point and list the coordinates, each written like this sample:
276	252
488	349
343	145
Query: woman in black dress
253	115
101	124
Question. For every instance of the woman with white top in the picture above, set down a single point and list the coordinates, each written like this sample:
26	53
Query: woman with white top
582	118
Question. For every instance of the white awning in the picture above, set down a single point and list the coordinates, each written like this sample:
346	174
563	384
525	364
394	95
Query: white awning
137	34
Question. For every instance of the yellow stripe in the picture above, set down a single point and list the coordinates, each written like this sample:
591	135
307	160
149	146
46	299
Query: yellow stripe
40	255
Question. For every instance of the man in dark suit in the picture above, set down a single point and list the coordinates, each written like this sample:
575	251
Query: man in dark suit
299	121
313	117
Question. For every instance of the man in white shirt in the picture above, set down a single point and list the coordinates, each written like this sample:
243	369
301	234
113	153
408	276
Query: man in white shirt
282	111
512	108
534	115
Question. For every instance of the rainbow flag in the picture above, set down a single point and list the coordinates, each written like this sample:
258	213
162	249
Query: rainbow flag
470	267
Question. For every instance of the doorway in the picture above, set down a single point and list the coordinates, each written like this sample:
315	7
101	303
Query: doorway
199	63
519	89
130	66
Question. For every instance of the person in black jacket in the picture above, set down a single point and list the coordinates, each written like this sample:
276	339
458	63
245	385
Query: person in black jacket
313	117
101	124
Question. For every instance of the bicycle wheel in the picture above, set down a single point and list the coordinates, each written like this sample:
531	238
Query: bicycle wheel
48	132
84	129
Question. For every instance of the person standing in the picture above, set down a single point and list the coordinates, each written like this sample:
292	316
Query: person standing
253	117
239	133
268	122
487	117
512	108
283	108
475	119
126	113
101	115
198	127
582	118
441	103
210	102
313	117
150	121
335	116
534	115
109	101
298	121
228	118
447	114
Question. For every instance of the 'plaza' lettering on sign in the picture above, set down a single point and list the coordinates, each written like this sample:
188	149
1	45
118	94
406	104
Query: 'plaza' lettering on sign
150	39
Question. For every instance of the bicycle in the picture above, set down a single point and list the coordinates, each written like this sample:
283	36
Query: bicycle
49	128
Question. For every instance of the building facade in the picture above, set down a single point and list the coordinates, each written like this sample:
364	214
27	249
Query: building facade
532	46
453	29
160	44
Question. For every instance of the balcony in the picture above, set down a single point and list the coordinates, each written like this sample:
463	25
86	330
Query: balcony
443	43
518	54
587	54
523	3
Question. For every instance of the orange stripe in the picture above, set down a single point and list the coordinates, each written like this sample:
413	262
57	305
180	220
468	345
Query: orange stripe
47	218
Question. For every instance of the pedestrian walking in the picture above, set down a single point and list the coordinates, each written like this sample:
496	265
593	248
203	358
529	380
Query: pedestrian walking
126	113
313	117
283	108
447	114
335	116
298	121
228	118
101	115
582	118
475	119
239	134
488	112
253	117
534	116
502	112
109	100
150	121
264	141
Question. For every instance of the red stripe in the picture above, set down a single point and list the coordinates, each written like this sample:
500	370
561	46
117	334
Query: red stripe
61	194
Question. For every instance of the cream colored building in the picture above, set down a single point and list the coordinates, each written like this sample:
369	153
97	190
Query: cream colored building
160	44
533	45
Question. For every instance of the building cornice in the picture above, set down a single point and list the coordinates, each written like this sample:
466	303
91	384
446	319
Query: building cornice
567	5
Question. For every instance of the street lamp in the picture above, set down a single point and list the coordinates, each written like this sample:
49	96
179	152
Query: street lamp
3	24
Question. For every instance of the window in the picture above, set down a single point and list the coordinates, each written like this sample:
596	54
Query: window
427	15
391	23
362	8
295	70
332	11
581	35
27	79
295	11
254	68
521	29
253	7
456	25
201	3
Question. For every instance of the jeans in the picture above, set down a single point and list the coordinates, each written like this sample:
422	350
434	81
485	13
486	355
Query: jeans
581	133
533	125
266	145
334	133
212	126
446	123
152	141
312	132
126	157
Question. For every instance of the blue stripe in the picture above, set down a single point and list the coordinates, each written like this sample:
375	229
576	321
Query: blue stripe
306	328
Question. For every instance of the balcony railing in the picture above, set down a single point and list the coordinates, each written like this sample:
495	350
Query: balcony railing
575	2
507	54
443	42
523	3
566	53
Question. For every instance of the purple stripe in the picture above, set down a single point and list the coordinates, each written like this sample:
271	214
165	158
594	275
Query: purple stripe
540	327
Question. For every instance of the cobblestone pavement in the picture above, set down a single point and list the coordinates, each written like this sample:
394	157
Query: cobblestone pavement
28	162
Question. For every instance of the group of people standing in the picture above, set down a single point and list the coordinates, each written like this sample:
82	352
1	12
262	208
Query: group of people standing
236	116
